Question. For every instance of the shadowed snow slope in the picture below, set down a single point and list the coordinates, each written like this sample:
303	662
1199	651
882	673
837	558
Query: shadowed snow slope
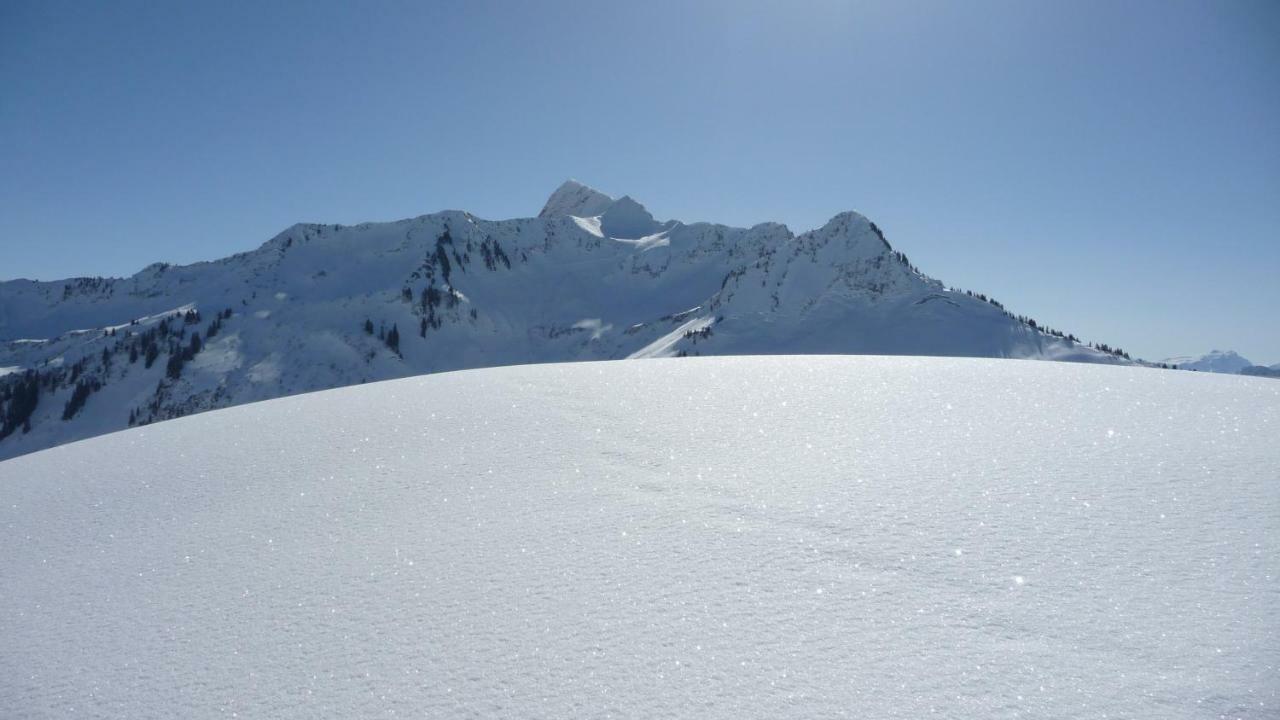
710	537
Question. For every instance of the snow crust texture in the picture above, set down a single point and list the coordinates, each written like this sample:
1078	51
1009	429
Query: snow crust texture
776	537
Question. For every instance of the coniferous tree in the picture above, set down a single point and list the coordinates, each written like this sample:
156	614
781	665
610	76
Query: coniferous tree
501	255
173	368
430	297
442	258
78	398
24	396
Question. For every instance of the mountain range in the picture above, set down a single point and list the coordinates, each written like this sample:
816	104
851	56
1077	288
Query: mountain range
590	277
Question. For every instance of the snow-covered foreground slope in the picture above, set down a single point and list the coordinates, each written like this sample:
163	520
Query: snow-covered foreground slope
590	278
712	537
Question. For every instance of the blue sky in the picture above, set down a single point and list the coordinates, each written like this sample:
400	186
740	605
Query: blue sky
1111	169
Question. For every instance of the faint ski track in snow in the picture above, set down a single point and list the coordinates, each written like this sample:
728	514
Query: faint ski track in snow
708	537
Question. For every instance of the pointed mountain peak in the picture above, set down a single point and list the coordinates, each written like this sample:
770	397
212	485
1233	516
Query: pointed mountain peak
855	229
574	198
846	220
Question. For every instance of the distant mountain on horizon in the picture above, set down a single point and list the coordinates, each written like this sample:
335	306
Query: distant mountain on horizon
591	277
1219	361
1270	371
1223	361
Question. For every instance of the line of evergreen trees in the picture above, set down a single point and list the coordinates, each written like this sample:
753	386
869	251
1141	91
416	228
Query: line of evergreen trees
81	393
1031	323
391	338
441	263
20	394
178	357
19	399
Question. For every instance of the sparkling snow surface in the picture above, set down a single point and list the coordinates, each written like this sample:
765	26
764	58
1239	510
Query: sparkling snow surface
715	537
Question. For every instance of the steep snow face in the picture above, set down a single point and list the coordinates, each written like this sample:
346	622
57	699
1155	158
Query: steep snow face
1219	361
321	306
574	198
627	219
721	537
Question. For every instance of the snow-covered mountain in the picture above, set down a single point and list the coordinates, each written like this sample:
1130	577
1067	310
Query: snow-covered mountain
778	537
590	278
1219	361
1271	371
